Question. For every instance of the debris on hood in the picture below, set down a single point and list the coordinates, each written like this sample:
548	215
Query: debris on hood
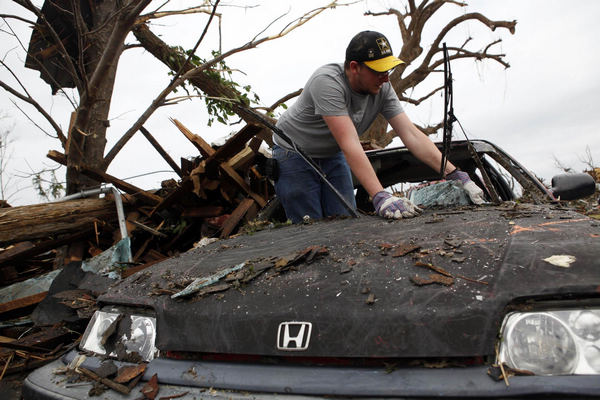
37	348
433	278
245	272
446	193
199	283
403	249
127	373
371	299
561	260
442	272
83	301
150	389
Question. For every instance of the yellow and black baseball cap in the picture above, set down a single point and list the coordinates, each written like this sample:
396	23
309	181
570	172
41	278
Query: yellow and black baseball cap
374	50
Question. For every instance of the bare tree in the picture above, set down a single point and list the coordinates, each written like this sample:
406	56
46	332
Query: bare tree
5	156
412	21
78	44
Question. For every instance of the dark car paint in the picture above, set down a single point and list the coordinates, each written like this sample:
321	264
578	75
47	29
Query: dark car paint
504	248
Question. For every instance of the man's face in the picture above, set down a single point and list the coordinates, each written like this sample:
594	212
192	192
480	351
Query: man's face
367	80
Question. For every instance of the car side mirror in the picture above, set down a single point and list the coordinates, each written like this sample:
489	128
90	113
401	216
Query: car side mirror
573	186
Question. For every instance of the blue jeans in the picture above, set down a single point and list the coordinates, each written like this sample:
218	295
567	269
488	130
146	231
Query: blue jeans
302	191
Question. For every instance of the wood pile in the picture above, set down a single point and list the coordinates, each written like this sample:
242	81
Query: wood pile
219	191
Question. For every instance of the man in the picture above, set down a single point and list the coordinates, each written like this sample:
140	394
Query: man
338	103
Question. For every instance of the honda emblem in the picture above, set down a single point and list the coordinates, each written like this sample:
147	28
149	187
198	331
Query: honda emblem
293	336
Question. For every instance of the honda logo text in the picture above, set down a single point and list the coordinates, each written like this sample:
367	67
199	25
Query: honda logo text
293	336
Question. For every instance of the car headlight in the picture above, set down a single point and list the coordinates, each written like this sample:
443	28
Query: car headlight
556	342
120	335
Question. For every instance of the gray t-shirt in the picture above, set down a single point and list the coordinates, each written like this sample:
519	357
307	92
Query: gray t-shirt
328	93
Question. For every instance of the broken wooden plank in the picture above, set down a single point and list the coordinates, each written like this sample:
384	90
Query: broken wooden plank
22	303
241	159
12	251
205	149
202	212
235	217
234	144
161	151
148	229
242	184
42	247
185	186
105	381
18	346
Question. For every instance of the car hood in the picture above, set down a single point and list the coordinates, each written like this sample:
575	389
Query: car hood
363	297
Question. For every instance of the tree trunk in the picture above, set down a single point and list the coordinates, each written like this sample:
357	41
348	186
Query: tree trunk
103	46
40	221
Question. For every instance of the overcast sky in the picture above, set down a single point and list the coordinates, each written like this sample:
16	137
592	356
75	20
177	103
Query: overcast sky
544	107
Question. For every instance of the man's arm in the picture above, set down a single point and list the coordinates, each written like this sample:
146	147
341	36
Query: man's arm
386	205
418	143
345	134
425	150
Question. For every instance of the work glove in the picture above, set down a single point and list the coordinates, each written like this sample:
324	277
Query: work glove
390	206
475	193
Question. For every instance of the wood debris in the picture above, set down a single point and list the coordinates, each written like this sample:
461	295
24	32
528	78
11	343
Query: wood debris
220	189
442	272
29	351
403	249
432	278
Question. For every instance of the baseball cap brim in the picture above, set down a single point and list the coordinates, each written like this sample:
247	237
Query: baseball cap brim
384	64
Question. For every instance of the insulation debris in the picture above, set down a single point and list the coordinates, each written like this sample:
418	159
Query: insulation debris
561	260
199	283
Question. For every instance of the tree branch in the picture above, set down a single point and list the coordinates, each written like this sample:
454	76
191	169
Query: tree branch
422	99
196	72
17	18
282	100
161	14
28	99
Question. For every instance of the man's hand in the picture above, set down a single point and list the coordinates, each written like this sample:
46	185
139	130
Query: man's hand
474	192
389	206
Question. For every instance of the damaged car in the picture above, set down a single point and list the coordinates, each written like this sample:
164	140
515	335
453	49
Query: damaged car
499	300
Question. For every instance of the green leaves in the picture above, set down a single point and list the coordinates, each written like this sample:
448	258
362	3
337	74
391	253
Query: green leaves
219	108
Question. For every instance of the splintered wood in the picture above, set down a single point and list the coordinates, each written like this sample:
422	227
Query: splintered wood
220	189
